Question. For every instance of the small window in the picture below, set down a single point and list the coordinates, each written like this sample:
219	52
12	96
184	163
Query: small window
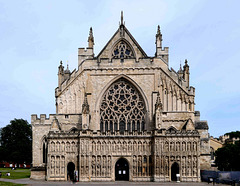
66	116
145	159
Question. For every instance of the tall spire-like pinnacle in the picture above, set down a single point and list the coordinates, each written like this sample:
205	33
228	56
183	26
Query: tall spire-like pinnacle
158	104
85	106
90	38
121	26
159	34
158	30
121	17
67	71
186	66
180	71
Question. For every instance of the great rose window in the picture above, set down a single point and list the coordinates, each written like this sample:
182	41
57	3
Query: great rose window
122	51
122	108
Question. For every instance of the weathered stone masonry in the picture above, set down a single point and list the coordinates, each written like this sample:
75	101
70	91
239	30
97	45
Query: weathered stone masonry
122	115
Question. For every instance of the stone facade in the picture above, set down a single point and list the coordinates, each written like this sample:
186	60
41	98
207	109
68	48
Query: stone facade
122	115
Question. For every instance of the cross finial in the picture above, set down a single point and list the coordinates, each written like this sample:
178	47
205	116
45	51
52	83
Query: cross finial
121	17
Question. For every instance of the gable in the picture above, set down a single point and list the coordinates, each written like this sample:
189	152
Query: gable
55	125
188	125
122	45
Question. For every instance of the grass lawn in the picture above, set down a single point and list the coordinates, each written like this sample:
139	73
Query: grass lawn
2	183
15	174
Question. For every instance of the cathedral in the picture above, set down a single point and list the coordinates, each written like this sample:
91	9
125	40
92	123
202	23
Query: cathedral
121	115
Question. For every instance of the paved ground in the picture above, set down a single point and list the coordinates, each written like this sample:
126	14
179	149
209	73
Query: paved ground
121	183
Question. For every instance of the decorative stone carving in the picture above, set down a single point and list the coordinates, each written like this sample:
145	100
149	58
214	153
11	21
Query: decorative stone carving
122	51
122	102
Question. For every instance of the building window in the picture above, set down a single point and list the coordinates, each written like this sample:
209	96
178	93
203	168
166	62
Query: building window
212	153
44	150
122	51
122	108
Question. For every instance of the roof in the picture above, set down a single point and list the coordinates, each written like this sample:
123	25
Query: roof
201	125
130	36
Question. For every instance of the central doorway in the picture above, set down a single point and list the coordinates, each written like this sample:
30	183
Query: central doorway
70	171
174	171
122	170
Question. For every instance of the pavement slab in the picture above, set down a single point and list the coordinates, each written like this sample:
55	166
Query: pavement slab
121	183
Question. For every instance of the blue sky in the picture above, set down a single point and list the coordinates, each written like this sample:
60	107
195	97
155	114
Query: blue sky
36	35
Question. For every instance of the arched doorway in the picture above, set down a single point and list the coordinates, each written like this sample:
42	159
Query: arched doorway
174	171
70	171
121	170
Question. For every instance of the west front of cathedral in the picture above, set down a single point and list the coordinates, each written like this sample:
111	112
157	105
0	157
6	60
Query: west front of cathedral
122	115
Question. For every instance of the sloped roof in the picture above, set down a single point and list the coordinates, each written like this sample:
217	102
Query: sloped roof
201	125
130	36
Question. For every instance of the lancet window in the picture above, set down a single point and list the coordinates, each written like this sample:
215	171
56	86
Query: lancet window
122	51
122	108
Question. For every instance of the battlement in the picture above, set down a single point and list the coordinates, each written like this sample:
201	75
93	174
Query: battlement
164	50
84	54
62	118
85	51
163	53
42	119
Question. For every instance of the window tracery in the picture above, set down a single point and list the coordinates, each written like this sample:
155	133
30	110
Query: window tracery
122	108
122	51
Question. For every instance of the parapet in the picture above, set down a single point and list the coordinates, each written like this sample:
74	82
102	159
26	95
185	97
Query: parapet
62	118
163	53
84	54
85	51
42	119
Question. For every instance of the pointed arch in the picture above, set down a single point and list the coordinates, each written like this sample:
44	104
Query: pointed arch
107	86
122	49
73	130
172	129
44	149
188	125
123	105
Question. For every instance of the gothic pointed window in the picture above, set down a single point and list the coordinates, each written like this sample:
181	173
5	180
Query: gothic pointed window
122	108
122	51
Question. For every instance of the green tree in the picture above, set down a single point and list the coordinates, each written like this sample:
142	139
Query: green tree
235	134
16	142
228	157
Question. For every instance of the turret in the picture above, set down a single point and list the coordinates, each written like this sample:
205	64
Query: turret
180	72
83	53
67	73
161	52
60	75
186	72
